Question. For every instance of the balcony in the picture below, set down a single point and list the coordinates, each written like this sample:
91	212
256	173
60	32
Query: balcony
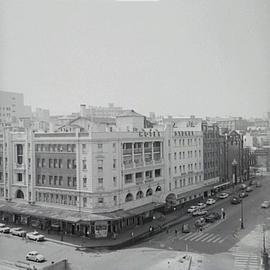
19	166
139	164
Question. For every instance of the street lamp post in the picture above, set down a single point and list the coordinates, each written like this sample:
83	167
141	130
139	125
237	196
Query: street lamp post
242	215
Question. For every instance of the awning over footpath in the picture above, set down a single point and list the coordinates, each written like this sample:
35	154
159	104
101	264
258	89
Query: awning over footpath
222	185
71	215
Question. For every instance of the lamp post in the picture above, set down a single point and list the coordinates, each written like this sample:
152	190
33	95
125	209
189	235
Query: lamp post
242	216
234	167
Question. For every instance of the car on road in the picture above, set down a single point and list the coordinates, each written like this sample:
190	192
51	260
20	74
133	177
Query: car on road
201	205
210	201
265	204
192	208
242	187
222	195
212	217
18	232
258	184
199	222
35	256
35	236
199	212
4	228
185	228
242	194
235	200
249	189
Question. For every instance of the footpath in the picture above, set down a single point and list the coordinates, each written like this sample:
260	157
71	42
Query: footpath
133	235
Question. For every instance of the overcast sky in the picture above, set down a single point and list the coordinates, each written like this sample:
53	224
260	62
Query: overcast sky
203	57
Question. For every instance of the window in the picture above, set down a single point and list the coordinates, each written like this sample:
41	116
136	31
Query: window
84	182
38	179
55	180
74	181
19	177
100	182
175	169
69	163
84	164
169	157
50	163
114	147
19	153
43	179
175	183
115	200
169	142
43	163
60	180
114	181
128	178
84	202
84	148
114	163
39	163
100	165
74	164
157	172
50	180
55	163
60	163
100	200
174	155
69	181
180	155
100	146
69	148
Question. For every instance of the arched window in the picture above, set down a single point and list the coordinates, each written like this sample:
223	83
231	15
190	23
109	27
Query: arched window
129	197
149	192
19	194
158	188
139	195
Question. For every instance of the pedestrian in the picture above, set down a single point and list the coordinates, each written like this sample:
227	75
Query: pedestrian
223	215
175	232
132	234
201	228
167	230
150	228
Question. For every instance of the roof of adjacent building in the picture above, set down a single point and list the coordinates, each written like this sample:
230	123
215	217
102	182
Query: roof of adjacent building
130	113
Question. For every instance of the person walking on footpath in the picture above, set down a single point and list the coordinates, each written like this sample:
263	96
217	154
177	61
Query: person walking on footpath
222	213
132	234
175	232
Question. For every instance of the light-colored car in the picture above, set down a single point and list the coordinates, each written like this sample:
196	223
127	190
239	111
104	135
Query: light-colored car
18	231
35	236
210	201
35	256
192	208
223	195
265	204
249	189
4	228
199	212
201	205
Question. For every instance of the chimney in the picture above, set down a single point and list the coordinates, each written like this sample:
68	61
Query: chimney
82	110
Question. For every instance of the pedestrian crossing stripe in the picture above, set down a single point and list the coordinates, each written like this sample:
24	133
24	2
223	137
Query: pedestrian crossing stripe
203	237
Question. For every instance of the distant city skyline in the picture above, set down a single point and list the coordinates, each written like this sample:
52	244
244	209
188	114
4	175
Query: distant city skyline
170	57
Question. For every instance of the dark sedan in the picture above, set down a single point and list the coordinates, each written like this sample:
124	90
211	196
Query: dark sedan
212	217
235	200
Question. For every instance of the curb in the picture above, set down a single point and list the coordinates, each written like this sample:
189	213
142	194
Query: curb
62	242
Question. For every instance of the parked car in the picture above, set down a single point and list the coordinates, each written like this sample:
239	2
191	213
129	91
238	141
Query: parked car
258	184
201	205
192	208
199	212
35	256
4	228
265	204
242	187
212	217
249	189
185	228
199	222
222	195
35	236
210	201
18	232
235	200
242	194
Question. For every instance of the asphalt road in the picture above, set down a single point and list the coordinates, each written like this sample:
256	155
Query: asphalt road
222	235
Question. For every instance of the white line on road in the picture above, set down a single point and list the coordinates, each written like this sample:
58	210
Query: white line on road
183	236
201	237
209	236
218	239
211	239
196	236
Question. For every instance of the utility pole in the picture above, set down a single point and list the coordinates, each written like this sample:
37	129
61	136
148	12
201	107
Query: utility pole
265	253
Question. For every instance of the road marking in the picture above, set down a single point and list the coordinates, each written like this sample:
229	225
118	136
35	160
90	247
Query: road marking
201	237
196	236
183	236
190	236
218	239
209	236
211	239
